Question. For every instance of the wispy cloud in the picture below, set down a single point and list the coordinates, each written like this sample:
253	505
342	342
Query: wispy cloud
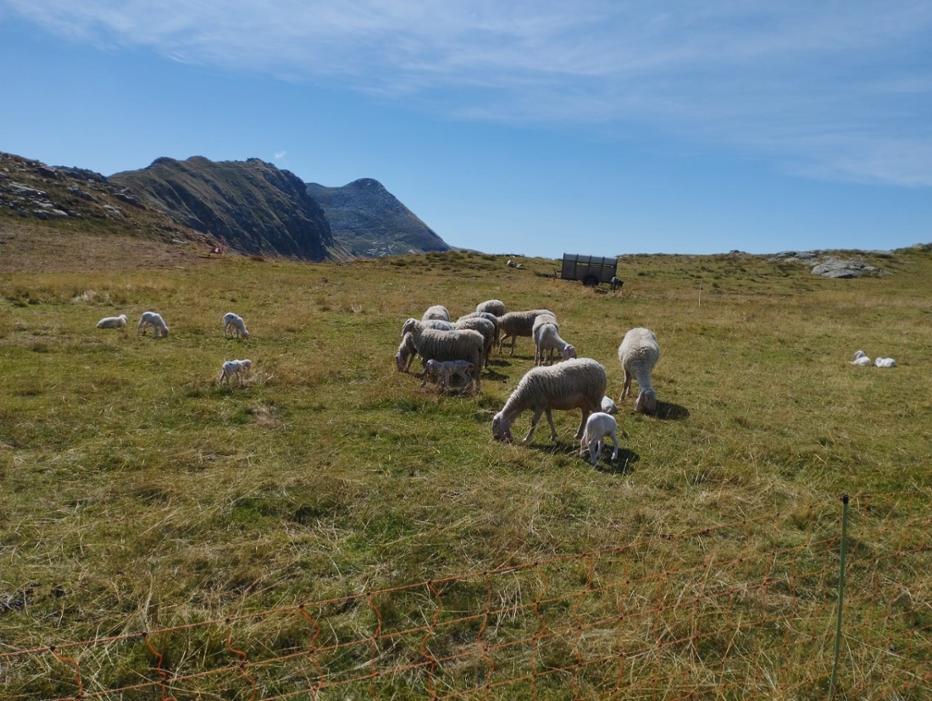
834	90
279	155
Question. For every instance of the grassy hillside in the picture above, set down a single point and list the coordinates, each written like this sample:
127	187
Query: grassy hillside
135	493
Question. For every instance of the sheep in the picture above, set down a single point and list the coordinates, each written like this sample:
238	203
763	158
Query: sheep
414	326
638	353
514	324
598	426
608	406
406	352
233	323
492	306
438	311
885	362
484	315
576	384
434	344
442	371
113	322
547	338
234	368
483	326
861	359
155	320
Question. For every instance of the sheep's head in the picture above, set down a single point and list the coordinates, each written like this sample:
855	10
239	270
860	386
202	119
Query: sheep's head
123	317
409	326
400	360
247	365
501	431
569	352
646	403
245	333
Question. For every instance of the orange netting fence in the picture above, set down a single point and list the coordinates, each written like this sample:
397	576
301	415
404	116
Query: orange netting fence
594	624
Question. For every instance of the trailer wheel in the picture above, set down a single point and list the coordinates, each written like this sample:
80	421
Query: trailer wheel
590	281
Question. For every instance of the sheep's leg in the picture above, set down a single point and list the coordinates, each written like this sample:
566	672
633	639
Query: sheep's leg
553	429
513	339
595	451
627	386
534	421
583	445
615	442
582	424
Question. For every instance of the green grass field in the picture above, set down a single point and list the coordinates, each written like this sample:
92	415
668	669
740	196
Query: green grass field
136	494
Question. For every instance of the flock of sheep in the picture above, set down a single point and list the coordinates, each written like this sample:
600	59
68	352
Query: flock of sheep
459	350
453	355
233	325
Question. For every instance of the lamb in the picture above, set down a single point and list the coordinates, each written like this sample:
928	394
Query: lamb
113	322
443	371
233	323
434	344
861	359
414	326
608	406
598	426
438	311
885	362
483	326
638	353
547	338
234	368
514	324
492	306
155	320
576	384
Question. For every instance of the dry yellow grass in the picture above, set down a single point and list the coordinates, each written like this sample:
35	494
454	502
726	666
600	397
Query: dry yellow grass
136	494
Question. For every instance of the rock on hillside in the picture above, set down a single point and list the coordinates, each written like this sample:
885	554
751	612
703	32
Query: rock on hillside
251	205
78	199
369	221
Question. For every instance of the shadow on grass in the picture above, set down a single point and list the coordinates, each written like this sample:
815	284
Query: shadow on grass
671	412
490	374
621	466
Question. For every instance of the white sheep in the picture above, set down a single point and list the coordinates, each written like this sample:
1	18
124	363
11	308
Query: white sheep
155	320
438	311
434	344
638	353
885	362
514	324
598	426
442	371
234	368
234	324
608	405
492	306
488	316
483	326
547	340
414	326
113	322
860	359
576	384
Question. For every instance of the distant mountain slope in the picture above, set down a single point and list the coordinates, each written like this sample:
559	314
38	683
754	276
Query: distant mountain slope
369	221
252	205
59	195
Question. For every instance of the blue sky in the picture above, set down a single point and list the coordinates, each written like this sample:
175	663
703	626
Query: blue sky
528	127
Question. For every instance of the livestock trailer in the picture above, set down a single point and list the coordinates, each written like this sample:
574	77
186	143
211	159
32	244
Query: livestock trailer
591	270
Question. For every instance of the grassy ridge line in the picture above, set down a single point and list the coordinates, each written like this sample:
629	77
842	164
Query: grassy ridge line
135	491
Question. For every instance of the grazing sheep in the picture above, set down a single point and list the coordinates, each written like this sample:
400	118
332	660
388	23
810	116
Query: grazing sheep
638	353
492	306
442	371
608	406
233	323
434	344
234	368
155	320
483	315
547	339
885	362
406	352
414	326
598	426
576	384
514	324
483	326
113	322
438	311
861	359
